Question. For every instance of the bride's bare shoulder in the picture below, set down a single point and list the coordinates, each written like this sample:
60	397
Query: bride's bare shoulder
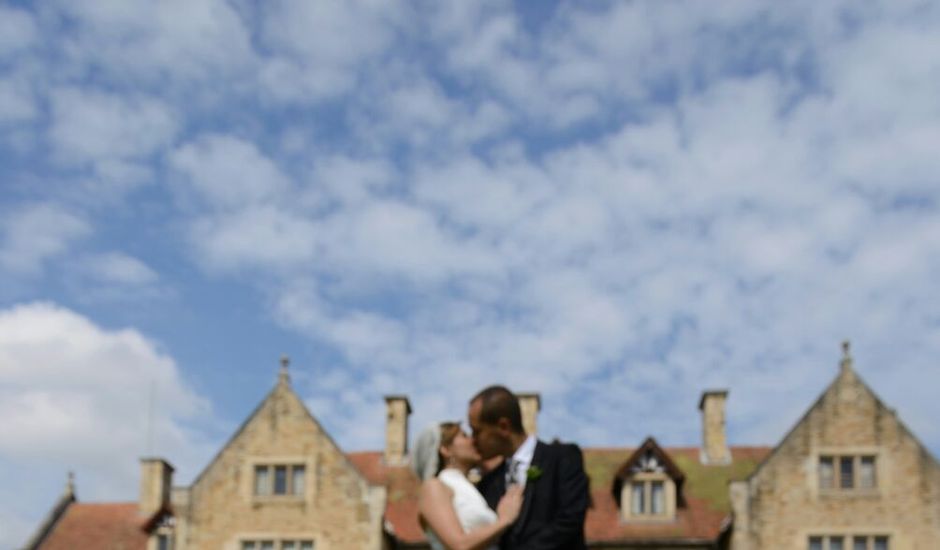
434	489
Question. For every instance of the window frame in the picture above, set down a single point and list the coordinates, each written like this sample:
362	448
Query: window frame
848	539
646	480
856	456
294	467
254	542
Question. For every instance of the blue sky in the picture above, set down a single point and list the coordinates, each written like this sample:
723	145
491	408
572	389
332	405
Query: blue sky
618	206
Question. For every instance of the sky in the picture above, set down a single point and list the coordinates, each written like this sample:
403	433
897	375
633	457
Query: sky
615	204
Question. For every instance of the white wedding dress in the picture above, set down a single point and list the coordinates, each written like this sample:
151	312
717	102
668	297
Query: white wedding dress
472	510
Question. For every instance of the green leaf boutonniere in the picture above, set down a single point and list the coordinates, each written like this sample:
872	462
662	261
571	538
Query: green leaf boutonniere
533	473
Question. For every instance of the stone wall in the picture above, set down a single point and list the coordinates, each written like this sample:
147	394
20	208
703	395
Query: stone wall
338	510
782	504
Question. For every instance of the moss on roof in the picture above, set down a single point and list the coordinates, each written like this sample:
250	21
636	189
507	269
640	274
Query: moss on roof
708	483
602	464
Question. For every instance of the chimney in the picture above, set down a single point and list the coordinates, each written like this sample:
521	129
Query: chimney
156	478
531	404
714	439
396	429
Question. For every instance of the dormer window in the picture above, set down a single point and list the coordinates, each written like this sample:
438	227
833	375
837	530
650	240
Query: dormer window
648	485
648	498
648	463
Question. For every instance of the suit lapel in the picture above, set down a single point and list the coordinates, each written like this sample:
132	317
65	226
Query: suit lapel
530	487
493	485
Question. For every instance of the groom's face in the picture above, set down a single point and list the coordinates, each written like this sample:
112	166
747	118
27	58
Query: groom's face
489	439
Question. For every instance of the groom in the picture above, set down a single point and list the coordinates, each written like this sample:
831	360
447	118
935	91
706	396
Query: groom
556	487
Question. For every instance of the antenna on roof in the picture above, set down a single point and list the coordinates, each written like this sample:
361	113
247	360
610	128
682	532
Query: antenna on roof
150	406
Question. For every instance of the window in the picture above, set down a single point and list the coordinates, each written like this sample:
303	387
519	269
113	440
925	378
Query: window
847	473
845	542
648	498
284	544
279	479
163	542
658	500
262	481
639	500
826	473
866	472
297	484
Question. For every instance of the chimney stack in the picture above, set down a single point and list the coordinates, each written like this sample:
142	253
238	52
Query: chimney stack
396	429
714	439
531	404
156	479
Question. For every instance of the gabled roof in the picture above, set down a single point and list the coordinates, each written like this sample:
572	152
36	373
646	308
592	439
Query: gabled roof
52	518
283	384
649	448
846	375
105	526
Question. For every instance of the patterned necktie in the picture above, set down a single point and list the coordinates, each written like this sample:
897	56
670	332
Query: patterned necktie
511	476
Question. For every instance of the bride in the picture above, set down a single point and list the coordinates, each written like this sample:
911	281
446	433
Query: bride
451	510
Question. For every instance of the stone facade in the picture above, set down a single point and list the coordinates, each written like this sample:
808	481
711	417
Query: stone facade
848	469
795	499
335	508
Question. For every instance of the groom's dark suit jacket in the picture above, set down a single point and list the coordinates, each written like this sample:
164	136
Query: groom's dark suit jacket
555	503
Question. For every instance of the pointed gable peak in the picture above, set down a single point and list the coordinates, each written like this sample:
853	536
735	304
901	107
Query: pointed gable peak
650	457
847	378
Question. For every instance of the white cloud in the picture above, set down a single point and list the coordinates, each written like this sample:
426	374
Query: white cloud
618	205
91	126
394	238
17	102
262	236
167	45
229	172
322	49
711	240
120	269
35	233
75	396
17	31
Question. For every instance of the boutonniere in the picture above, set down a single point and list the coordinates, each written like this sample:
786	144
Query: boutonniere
533	473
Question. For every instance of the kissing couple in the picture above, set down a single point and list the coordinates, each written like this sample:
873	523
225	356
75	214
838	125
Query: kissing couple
534	499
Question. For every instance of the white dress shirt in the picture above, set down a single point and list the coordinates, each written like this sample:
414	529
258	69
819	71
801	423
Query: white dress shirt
519	463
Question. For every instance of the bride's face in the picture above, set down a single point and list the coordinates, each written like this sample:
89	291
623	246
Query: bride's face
462	449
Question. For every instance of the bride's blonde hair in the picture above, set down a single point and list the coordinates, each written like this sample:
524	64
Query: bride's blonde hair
449	431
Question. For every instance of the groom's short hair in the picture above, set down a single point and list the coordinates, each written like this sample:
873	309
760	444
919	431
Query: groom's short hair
498	402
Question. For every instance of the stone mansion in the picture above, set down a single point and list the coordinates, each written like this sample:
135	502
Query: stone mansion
848	476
